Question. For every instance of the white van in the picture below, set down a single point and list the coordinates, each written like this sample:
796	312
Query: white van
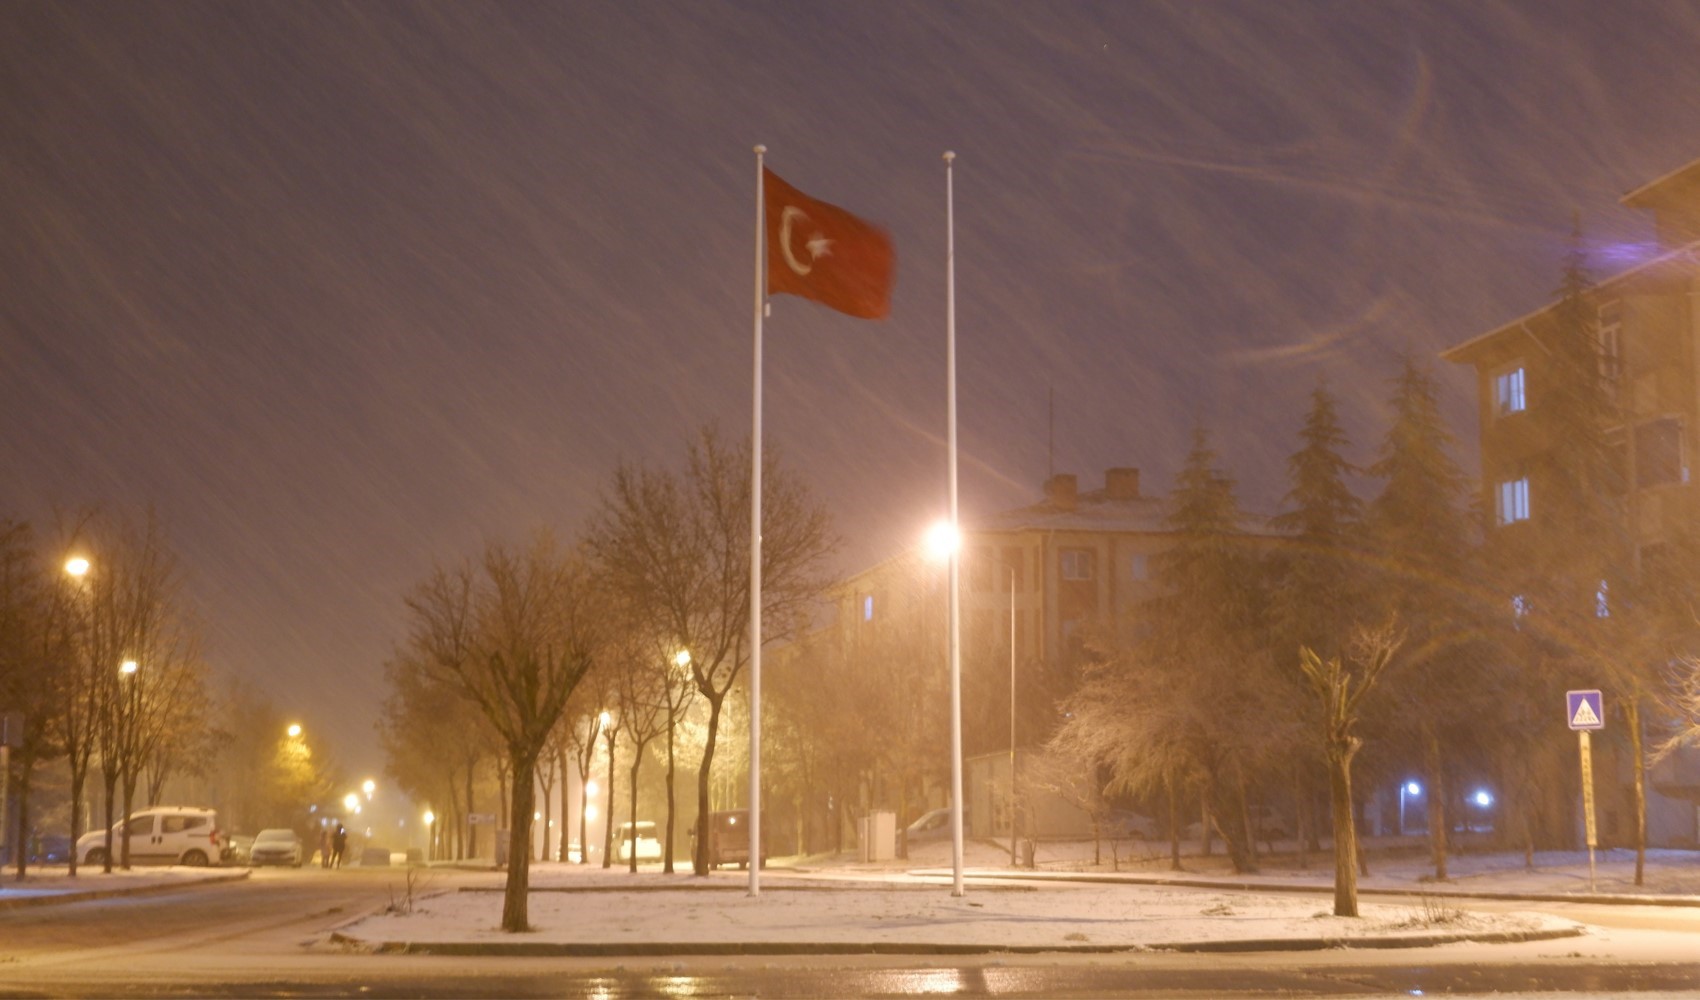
162	835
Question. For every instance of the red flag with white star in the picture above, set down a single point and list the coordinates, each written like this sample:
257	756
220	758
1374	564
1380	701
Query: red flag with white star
822	252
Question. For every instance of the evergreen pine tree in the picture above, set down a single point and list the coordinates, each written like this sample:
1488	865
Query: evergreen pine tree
1422	543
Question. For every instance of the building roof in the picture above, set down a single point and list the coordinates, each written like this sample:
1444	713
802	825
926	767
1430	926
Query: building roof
1647	193
1463	353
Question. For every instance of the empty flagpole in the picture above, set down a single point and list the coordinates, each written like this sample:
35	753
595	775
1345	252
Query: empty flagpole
755	547
956	550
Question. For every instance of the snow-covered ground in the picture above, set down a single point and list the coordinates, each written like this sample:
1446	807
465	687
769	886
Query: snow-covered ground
55	880
838	902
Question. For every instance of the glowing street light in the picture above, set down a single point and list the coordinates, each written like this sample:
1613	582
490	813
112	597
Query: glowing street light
351	802
944	540
682	659
294	730
128	667
77	566
369	786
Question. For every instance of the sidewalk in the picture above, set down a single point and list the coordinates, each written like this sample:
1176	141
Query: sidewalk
53	884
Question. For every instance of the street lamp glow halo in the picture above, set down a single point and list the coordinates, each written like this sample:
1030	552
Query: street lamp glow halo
128	667
943	540
682	658
294	729
77	566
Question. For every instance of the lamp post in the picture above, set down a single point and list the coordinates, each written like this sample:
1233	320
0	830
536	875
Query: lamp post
945	540
430	836
608	734
127	743
1412	789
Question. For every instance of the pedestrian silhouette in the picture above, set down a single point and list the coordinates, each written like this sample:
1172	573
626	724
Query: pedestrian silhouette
339	843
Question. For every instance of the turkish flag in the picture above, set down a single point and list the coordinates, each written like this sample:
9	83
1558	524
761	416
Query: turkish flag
822	252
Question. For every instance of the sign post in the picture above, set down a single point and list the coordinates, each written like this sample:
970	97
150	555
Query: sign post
1585	711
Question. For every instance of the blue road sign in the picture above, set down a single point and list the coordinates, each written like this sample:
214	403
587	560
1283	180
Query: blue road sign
1585	709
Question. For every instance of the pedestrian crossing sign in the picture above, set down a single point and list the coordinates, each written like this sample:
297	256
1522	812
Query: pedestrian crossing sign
1584	709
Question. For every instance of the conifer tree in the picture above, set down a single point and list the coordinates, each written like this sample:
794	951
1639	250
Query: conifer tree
1422	544
1316	602
1207	627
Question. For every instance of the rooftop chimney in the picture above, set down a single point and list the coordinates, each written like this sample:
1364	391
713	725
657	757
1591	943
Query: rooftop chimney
1121	484
1060	490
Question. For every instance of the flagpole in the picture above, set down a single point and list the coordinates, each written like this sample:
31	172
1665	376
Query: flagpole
955	527
755	545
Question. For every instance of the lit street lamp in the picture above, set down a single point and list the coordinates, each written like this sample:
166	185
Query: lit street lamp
294	730
369	786
77	566
946	540
430	835
1409	789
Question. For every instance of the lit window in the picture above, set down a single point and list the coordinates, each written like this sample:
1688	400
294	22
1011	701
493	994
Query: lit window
1076	564
867	607
1508	395
1511	501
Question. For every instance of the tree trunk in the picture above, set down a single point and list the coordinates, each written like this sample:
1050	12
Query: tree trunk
548	807
1432	763
667	845
1174	826
109	783
1345	833
515	897
471	807
699	859
608	826
25	770
129	801
1632	715
78	777
566	801
637	759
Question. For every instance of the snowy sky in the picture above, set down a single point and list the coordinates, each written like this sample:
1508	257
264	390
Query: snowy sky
343	290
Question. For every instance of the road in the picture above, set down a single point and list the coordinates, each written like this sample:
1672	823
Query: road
268	935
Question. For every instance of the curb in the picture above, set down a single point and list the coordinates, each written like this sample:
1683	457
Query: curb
650	949
80	895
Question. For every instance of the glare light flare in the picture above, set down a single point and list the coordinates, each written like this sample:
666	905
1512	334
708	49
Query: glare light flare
294	730
943	540
77	566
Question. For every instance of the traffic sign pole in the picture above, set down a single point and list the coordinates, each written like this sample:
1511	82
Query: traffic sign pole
1586	746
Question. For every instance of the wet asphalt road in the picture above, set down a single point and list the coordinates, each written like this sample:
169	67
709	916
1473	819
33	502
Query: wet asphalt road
267	936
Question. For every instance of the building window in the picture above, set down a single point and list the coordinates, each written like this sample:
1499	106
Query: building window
1138	567
867	607
1511	500
1611	340
1602	601
1076	563
1658	454
1508	392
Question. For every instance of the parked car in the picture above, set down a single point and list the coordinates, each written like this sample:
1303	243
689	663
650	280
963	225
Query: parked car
50	849
648	845
162	835
277	846
729	839
932	825
236	849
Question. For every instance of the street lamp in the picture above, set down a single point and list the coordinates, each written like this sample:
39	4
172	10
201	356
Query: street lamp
369	786
351	801
77	566
945	539
294	730
430	819
1408	789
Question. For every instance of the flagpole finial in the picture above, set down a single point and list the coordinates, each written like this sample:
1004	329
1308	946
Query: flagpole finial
948	156
760	149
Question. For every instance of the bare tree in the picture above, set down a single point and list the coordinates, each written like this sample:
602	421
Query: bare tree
31	624
514	634
677	547
1340	688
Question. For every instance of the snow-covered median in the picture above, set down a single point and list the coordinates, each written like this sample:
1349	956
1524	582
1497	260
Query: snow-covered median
837	915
